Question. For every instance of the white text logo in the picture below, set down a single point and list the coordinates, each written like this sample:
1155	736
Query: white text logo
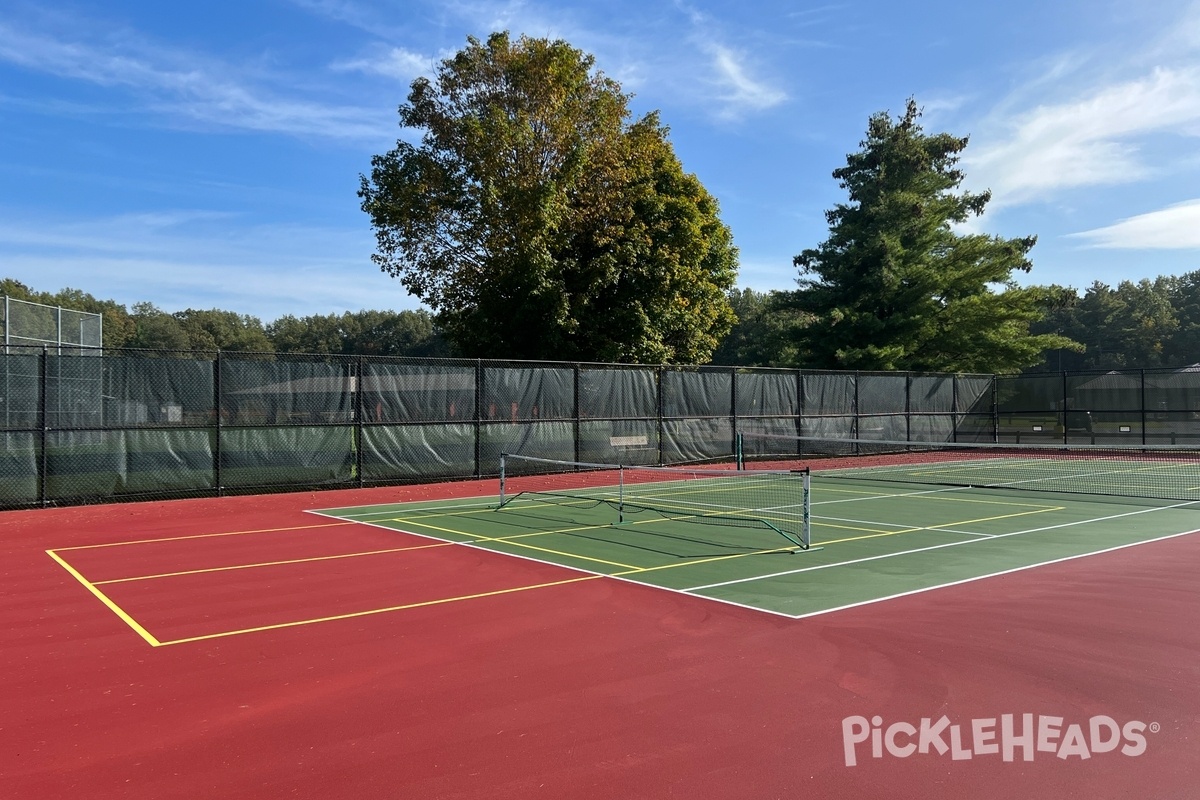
1009	737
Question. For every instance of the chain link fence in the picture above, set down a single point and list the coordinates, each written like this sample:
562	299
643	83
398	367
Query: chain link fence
1148	406
129	424
23	323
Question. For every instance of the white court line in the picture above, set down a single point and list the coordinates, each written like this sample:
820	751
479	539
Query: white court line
392	510
989	575
694	591
899	528
876	496
967	533
883	473
584	570
933	547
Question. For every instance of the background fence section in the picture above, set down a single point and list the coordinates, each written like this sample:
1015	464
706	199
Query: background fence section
1151	406
86	425
64	329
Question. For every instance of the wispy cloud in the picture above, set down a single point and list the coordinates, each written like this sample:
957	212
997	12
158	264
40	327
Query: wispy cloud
172	257
709	65
1091	117
185	89
396	63
741	92
364	16
1092	141
1175	227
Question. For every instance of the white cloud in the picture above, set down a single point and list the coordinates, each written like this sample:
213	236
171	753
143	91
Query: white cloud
703	66
182	88
1094	141
738	90
173	259
394	62
741	92
1176	227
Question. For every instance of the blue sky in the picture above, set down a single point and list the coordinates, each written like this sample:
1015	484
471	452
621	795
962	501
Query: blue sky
206	155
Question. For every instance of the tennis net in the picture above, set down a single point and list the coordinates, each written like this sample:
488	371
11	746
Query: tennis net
774	500
1169	472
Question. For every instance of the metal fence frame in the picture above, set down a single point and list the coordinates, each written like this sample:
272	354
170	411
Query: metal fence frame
88	334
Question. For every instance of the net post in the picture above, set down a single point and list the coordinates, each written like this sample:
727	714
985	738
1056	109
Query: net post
739	451
806	509
620	495
503	456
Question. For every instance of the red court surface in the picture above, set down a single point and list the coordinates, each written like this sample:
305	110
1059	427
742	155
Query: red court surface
493	677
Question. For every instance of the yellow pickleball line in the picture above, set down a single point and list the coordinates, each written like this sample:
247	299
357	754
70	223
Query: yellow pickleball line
942	525
282	562
940	495
823	543
479	539
113	607
370	612
634	570
206	535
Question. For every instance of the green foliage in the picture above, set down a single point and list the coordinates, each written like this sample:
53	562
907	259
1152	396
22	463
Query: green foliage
894	287
155	329
376	333
407	333
11	287
383	333
1183	347
118	326
224	330
537	223
765	332
1136	325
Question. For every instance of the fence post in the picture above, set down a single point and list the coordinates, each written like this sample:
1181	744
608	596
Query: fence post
733	415
217	431
1063	409
1145	419
954	417
908	382
995	412
662	429
799	403
358	419
854	426
478	413
577	412
43	465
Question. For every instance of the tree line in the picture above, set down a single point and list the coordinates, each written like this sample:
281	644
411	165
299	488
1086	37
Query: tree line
1133	325
1143	324
376	333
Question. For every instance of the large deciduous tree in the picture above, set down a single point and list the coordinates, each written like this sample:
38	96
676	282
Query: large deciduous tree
537	221
895	286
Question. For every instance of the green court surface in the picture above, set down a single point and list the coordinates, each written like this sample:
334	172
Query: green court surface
870	540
